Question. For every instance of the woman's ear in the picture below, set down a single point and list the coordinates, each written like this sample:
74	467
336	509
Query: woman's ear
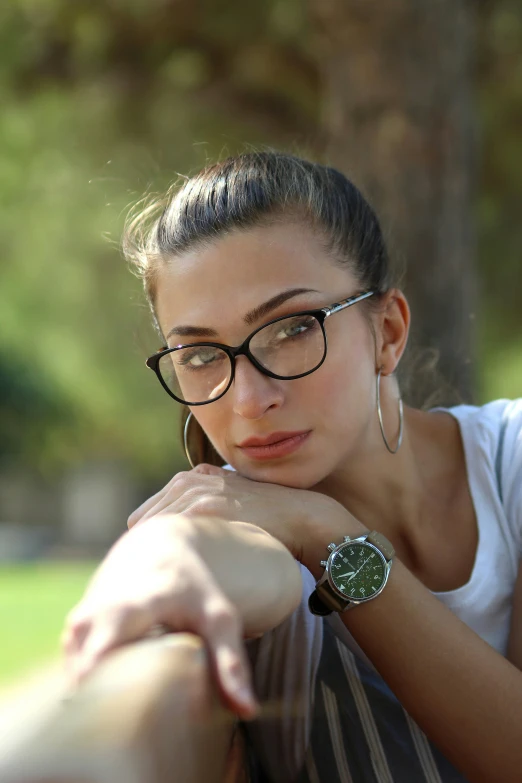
394	328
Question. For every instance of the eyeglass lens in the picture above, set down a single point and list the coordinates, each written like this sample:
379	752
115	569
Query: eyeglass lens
289	347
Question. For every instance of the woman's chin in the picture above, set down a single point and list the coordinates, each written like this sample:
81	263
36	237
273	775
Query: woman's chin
287	475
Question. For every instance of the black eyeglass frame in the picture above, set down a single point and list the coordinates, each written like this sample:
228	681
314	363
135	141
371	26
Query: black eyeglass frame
321	314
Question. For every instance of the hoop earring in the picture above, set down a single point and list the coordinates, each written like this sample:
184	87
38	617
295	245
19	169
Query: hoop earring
379	413
185	440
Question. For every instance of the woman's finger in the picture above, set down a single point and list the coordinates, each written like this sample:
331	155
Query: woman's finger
72	640
177	499
145	508
165	503
74	634
156	503
206	611
233	675
140	512
111	630
221	629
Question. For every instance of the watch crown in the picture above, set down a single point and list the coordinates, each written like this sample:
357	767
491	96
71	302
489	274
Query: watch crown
331	547
324	563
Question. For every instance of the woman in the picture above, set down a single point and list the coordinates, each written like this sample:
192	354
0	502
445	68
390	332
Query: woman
404	662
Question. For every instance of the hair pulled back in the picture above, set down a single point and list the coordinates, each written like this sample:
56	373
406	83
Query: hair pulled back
246	191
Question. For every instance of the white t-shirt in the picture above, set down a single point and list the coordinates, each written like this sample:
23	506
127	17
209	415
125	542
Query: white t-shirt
285	660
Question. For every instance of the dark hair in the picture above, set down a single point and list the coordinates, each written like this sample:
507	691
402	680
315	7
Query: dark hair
255	189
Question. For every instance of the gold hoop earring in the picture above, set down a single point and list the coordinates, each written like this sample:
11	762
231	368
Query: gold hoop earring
379	413
185	440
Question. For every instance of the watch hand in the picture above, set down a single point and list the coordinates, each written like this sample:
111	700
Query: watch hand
354	575
348	573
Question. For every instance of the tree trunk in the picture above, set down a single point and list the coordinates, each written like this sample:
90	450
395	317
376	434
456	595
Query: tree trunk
399	120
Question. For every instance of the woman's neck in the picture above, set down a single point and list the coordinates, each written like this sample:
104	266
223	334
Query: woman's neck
400	494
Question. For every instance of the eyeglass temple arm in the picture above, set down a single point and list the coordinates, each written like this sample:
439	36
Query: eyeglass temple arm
334	308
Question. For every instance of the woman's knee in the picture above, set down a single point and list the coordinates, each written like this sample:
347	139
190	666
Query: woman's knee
197	691
201	726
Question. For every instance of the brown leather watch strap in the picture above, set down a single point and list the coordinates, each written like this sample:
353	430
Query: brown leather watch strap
317	606
382	543
331	599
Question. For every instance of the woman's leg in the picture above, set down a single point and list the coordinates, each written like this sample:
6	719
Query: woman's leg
200	729
148	713
219	730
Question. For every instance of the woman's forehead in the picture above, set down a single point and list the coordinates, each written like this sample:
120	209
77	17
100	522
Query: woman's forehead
243	269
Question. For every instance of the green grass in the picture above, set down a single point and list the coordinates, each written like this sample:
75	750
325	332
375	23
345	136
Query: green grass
34	600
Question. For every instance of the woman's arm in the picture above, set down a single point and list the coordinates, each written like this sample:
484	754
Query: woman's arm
514	653
255	571
219	580
465	696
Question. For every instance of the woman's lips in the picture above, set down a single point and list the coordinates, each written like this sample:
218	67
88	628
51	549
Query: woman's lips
279	444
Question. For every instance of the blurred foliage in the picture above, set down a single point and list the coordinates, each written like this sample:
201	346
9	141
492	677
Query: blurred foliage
102	101
499	83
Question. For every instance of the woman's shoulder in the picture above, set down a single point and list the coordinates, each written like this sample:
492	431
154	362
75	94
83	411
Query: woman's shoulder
494	436
493	426
492	414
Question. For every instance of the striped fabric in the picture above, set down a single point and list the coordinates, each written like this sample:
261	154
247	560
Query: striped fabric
360	731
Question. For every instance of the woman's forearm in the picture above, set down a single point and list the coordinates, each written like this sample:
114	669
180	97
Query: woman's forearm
464	695
254	570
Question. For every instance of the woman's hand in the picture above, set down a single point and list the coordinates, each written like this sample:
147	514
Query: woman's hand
293	516
154	575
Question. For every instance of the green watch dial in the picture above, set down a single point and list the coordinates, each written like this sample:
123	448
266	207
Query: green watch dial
358	570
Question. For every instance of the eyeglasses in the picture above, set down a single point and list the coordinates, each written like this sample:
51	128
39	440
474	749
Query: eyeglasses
286	348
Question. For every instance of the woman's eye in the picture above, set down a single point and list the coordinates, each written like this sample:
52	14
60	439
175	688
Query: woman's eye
196	359
296	328
292	331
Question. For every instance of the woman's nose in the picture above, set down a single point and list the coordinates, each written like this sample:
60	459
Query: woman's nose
254	393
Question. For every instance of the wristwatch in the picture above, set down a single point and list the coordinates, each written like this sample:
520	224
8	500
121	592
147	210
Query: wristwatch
356	571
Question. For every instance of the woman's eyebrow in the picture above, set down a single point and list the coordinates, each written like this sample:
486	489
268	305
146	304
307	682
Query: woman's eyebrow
250	318
263	309
192	331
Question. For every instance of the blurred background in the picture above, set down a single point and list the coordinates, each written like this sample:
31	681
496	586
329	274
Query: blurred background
419	102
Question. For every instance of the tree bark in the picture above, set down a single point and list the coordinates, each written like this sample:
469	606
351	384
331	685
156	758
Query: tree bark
399	120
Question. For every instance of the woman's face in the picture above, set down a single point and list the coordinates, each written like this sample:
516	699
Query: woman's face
324	418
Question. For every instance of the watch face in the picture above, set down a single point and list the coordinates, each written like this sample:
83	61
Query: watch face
358	570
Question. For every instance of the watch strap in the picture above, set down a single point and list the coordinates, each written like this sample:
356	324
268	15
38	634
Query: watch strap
317	606
324	601
382	544
327	596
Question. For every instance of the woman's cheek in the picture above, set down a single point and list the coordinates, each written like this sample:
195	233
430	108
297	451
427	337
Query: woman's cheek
342	397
